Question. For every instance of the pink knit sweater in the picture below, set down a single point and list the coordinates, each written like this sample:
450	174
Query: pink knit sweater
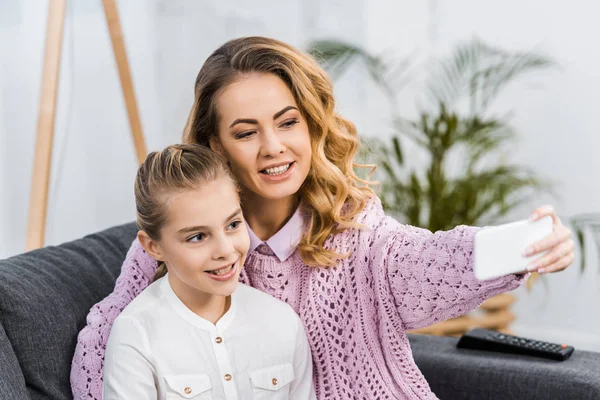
356	314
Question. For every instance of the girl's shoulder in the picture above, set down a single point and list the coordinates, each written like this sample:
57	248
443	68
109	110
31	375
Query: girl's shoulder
265	311
144	304
256	300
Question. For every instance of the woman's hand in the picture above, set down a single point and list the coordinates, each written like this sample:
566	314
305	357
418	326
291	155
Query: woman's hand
558	244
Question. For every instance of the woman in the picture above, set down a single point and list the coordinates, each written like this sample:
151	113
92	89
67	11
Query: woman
319	238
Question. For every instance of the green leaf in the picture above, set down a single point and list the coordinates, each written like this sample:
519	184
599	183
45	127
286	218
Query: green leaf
398	151
479	72
582	223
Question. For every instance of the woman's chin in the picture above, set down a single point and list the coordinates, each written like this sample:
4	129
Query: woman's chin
279	192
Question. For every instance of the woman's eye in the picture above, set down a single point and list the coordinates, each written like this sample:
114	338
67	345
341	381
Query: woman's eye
197	238
244	135
234	225
290	123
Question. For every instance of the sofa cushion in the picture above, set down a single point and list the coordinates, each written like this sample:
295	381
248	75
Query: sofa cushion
45	296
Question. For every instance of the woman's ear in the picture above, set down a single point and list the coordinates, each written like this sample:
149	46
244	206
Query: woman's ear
152	247
215	145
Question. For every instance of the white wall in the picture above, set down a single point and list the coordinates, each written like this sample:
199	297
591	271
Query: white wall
167	41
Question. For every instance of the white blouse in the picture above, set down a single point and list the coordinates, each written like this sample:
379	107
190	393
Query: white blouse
159	349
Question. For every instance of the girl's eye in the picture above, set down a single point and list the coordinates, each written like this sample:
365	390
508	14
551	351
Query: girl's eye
197	238
244	135
234	225
289	123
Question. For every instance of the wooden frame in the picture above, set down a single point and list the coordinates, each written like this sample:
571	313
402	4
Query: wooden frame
38	203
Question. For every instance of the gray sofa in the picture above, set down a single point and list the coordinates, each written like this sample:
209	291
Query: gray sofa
45	296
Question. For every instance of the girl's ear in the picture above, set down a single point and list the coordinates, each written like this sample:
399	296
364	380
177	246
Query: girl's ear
152	247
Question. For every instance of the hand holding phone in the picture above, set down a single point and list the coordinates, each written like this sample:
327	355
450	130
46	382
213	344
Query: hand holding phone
499	249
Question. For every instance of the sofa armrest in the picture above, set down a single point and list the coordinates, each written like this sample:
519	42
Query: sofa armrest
455	373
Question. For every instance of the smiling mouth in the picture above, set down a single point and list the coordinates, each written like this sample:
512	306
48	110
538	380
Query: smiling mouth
222	271
276	170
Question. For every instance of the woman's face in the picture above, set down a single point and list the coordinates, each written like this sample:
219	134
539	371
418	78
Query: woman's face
263	136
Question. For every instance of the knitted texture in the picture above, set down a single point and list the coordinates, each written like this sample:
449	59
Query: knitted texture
355	314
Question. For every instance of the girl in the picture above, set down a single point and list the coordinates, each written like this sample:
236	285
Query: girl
319	239
194	332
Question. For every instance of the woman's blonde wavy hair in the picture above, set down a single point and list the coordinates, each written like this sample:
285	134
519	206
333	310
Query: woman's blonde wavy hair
332	191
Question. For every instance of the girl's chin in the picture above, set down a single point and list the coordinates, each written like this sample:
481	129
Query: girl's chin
227	289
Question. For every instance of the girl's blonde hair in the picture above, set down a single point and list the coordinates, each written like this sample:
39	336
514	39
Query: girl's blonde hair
332	191
176	168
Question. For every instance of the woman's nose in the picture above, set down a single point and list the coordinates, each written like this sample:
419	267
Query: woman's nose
271	145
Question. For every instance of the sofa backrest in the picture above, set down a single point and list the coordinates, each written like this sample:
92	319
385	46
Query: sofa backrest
45	296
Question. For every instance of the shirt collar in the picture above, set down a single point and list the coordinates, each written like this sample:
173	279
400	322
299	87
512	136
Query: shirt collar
284	242
193	318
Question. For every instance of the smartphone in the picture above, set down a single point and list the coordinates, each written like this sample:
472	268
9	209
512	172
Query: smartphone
499	249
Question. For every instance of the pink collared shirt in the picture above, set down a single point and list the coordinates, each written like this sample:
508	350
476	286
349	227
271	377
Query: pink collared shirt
282	244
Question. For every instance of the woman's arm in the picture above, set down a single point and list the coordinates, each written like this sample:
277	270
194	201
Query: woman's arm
86	372
430	275
128	371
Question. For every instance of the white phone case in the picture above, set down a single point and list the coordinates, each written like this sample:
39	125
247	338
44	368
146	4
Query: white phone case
499	249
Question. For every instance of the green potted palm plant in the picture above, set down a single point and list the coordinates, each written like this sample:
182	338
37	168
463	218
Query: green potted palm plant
461	176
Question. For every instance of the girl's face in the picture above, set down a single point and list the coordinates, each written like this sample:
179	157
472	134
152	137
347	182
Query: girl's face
263	136
204	241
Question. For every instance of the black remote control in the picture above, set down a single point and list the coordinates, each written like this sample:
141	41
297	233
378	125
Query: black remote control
486	339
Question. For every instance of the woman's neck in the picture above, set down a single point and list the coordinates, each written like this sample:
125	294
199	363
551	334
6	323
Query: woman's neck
266	216
206	305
